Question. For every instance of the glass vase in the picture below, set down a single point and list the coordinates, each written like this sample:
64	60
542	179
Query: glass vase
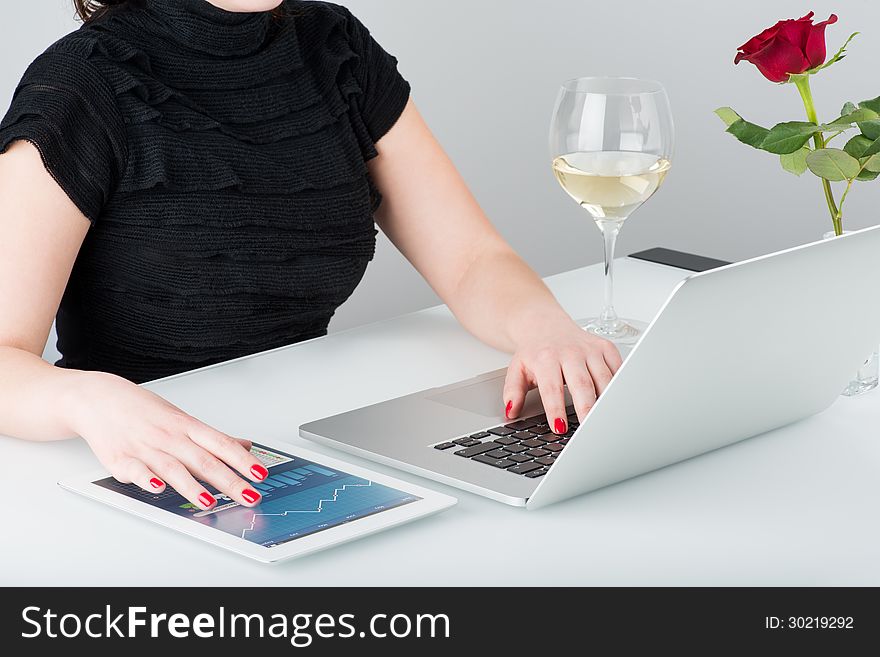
868	375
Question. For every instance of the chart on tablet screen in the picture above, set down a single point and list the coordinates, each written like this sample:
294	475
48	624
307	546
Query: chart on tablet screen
299	498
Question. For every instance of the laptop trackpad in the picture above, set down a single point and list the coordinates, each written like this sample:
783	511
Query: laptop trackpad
485	398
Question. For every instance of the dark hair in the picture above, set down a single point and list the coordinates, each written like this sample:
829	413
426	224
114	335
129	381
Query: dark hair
88	10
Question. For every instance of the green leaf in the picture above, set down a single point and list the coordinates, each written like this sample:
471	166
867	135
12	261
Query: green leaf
727	115
872	104
785	138
872	163
873	148
862	148
848	108
840	54
867	176
871	129
748	133
857	146
833	164
796	162
858	115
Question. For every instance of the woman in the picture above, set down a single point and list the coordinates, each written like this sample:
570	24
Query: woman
189	181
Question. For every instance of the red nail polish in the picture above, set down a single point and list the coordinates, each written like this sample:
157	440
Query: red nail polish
259	472
559	425
250	496
507	409
156	483
206	500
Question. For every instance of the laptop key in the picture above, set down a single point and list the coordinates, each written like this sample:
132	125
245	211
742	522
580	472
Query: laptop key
515	448
532	442
540	429
498	463
553	447
564	441
480	448
444	445
498	454
520	425
519	458
522	435
546	460
501	431
524	468
479	435
535	474
537	453
463	441
506	440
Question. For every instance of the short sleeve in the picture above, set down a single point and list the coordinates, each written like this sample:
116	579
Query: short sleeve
65	108
385	91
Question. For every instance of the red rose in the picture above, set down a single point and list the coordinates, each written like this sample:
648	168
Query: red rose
788	48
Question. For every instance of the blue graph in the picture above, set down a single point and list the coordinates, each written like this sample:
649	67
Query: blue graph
318	508
299	498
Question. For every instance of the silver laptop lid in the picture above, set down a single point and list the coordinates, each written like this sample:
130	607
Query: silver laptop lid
734	352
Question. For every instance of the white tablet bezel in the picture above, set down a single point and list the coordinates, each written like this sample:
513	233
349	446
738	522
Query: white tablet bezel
431	502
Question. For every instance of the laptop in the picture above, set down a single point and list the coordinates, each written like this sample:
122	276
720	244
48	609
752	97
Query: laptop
734	352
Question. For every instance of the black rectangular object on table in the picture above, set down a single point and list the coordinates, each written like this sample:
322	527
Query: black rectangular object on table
678	259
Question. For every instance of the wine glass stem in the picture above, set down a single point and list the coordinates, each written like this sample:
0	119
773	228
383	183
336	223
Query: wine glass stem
610	230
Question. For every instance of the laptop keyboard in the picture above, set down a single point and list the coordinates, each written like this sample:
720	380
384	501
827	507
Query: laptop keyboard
526	447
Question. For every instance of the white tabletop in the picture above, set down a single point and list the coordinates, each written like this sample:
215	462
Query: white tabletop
796	506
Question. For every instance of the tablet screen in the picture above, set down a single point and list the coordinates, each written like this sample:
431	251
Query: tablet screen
300	497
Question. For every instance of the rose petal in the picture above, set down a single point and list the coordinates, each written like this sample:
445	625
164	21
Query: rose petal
796	32
778	59
757	42
814	48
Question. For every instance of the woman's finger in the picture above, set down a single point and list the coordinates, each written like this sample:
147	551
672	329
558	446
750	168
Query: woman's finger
612	357
580	386
133	471
548	376
245	443
227	449
179	478
599	371
207	467
516	386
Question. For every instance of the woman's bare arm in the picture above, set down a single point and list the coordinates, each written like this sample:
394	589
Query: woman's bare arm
41	231
138	436
431	216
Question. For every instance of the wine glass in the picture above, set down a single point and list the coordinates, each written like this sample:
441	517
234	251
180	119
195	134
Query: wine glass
611	146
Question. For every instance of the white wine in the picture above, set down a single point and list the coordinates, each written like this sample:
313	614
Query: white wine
610	185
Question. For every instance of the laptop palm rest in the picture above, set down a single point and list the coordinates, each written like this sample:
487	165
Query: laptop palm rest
486	398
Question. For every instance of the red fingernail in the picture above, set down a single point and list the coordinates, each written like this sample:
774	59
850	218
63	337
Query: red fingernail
559	425
156	483
250	496
507	409
206	500
259	472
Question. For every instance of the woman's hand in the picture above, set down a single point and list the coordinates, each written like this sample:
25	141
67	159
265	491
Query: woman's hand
557	354
142	439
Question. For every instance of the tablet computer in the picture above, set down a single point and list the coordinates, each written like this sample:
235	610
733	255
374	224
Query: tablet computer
310	502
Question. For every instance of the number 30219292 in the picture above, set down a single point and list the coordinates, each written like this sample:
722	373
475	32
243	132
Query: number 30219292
809	623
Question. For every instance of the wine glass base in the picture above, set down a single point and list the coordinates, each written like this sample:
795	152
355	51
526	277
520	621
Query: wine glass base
623	332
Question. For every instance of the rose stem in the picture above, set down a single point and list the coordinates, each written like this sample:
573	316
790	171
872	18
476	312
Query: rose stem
802	82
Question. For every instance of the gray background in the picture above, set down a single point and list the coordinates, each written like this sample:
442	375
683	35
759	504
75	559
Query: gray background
485	75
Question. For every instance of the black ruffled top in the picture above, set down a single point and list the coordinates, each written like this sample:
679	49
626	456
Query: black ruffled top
221	160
